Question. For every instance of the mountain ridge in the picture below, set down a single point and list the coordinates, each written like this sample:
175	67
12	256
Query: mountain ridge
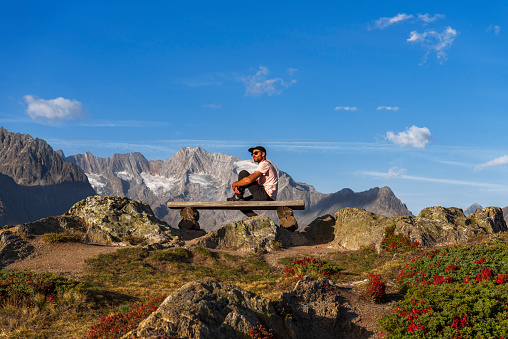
193	174
35	181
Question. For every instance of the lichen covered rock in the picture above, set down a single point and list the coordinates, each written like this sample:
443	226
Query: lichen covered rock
315	309
61	223
209	309
490	219
110	219
355	227
251	235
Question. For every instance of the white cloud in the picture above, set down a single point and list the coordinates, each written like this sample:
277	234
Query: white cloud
495	28
346	108
433	41
483	185
388	108
387	21
258	84
384	22
292	71
123	123
53	109
428	19
395	172
413	137
503	160
212	105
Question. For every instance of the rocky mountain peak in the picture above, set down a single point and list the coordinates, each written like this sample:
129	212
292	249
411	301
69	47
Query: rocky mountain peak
35	181
470	210
32	162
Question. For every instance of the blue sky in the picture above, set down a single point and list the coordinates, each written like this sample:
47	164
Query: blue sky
357	94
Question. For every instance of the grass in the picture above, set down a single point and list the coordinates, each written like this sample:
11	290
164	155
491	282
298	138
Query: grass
61	237
119	282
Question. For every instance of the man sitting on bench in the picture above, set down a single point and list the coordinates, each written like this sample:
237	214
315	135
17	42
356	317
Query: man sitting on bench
262	184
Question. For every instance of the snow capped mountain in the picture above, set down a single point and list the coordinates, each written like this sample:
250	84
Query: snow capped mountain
193	174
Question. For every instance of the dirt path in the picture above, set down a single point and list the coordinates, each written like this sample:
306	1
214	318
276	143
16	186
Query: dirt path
63	258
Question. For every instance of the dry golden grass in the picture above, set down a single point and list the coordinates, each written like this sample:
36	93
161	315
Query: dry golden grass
117	281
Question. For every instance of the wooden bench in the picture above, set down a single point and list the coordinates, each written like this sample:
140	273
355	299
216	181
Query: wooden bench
190	215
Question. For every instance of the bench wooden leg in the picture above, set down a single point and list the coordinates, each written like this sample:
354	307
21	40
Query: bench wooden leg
190	217
286	218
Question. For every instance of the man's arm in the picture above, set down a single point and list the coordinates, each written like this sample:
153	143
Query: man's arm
246	181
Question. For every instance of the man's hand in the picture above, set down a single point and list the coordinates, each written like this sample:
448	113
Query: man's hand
245	181
235	187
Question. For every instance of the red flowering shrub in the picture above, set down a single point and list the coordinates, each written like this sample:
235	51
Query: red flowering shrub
376	288
502	279
260	332
116	325
19	287
443	300
485	274
397	242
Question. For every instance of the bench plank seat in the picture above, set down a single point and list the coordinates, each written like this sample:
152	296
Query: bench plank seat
238	205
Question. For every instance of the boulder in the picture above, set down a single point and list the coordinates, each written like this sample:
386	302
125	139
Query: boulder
320	230
251	235
209	309
62	223
490	219
110	220
356	227
314	307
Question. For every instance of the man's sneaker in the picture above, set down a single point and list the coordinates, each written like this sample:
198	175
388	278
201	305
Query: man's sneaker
235	198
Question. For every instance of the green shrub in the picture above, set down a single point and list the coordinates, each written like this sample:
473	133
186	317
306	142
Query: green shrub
455	264
312	267
173	254
203	251
454	292
21	288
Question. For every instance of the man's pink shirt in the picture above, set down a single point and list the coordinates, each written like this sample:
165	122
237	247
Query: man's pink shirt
268	178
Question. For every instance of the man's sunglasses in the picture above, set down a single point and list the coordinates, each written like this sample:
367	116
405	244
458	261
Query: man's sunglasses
255	153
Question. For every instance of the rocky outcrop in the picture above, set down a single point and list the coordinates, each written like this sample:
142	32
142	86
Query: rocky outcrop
32	162
355	228
320	231
314	307
12	248
209	310
110	220
193	174
251	234
490	219
35	182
